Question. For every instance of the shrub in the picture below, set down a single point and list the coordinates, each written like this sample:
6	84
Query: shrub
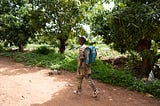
43	50
153	87
106	73
1	48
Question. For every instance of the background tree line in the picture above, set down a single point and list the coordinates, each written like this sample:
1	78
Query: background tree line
132	26
25	20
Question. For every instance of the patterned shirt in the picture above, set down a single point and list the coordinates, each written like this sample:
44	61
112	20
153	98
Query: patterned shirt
84	69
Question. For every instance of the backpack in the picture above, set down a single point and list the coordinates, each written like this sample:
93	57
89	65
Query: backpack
91	54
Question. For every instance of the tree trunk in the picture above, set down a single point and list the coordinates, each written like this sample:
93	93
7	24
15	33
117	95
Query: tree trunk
146	64
144	46
62	45
21	47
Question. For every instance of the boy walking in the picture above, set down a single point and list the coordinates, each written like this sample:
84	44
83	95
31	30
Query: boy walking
84	70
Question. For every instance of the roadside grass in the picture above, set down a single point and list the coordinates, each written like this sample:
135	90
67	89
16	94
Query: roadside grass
49	57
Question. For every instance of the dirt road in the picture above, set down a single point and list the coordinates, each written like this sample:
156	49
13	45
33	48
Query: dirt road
32	86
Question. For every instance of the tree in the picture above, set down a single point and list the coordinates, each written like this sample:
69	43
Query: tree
133	25
100	26
18	22
63	18
66	18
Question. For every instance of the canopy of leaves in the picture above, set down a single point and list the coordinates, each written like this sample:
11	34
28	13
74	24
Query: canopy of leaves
17	21
129	23
62	17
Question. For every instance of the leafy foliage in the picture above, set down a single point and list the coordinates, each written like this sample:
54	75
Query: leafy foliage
17	22
1	48
43	50
100	26
131	27
133	23
64	19
108	74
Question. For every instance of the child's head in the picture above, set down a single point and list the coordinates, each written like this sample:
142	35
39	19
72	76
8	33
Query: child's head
82	40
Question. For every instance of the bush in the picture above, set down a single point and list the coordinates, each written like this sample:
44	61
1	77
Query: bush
138	86
106	73
152	87
1	48
53	60
69	62
43	50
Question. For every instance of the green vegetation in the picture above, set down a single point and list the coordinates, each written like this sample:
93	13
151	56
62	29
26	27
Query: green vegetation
102	71
25	21
132	27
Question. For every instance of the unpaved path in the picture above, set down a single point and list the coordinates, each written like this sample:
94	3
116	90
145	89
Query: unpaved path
32	86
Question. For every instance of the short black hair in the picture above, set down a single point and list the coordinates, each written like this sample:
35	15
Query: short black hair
83	38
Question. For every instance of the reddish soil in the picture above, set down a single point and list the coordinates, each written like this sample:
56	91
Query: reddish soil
32	86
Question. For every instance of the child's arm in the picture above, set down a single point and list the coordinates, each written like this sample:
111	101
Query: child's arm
79	65
81	59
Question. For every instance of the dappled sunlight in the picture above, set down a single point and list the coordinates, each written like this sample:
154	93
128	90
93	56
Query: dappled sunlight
13	70
17	69
26	89
3	69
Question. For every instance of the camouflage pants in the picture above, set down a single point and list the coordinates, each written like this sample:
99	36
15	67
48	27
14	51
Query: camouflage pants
90	81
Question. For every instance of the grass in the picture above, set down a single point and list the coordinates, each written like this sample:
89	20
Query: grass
100	70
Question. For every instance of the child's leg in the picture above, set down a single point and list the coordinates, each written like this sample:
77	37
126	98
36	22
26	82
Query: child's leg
79	82
91	82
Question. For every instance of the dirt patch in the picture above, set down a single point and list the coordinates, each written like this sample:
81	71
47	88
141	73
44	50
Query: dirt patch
32	86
